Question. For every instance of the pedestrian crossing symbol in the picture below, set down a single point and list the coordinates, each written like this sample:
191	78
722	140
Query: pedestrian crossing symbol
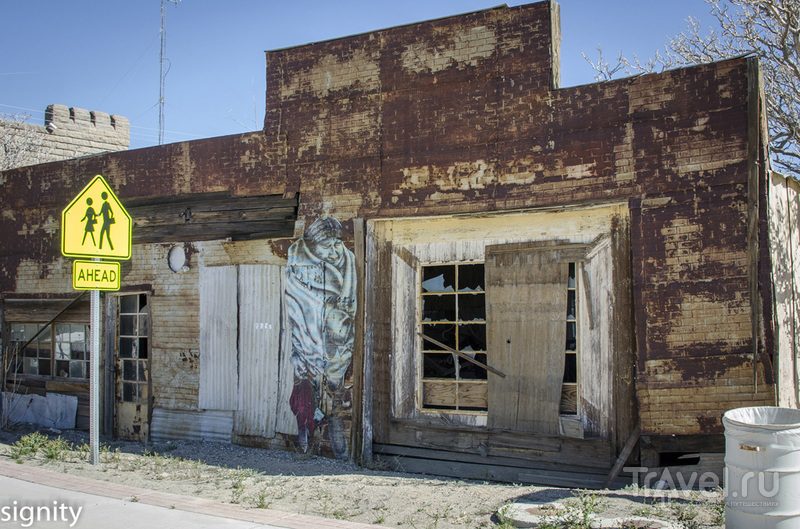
95	224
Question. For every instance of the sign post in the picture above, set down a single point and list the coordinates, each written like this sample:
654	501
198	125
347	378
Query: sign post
81	237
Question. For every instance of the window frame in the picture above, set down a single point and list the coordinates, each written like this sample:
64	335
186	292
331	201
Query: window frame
398	246
457	381
49	329
141	365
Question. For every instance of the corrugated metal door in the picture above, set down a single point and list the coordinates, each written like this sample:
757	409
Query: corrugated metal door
218	337
260	289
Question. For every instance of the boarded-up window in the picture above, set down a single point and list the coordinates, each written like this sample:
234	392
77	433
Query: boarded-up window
527	293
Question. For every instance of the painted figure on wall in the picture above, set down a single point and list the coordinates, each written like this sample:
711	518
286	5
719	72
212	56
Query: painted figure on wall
321	306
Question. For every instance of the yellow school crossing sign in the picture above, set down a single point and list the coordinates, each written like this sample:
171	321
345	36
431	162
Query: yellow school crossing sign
95	224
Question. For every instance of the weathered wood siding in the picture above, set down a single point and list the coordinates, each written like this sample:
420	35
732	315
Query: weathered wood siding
784	202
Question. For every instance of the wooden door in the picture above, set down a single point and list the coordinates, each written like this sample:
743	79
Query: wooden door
526	307
132	368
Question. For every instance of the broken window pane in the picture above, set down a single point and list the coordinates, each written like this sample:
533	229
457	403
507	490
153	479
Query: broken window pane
76	369
439	308
31	366
438	278
44	366
44	349
571	280
444	333
470	277
128	304
469	371
438	365
126	347
127	325
142	303
142	348
129	392
572	340
471	307
63	350
62	368
129	369
571	305
570	368
472	337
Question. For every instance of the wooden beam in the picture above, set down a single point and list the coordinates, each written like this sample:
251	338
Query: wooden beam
464	356
623	456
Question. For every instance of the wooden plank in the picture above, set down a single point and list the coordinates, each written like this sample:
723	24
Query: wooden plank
488	457
526	293
569	399
379	311
202	232
437	435
358	443
41	310
754	139
61	386
793	362
204	202
214	217
473	394
405	388
623	456
464	470
463	355
438	393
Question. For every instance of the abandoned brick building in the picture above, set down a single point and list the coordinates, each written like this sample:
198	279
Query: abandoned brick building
433	251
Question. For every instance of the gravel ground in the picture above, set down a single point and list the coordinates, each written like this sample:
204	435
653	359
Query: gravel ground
318	486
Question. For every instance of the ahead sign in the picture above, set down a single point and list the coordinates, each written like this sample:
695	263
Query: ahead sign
95	275
95	224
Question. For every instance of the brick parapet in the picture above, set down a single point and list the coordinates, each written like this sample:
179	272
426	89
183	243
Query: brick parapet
72	133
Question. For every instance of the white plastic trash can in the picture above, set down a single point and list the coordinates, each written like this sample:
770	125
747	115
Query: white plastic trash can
762	468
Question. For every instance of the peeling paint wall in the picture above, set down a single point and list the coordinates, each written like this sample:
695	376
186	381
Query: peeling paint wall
459	116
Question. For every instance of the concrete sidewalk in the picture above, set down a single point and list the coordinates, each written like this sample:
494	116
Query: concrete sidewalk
114	505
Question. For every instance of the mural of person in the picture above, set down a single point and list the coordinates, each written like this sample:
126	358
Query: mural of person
108	220
321	306
91	219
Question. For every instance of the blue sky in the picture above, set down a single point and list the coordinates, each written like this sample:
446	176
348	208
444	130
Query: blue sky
104	55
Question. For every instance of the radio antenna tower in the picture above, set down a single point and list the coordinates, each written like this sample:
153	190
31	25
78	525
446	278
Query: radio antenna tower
163	69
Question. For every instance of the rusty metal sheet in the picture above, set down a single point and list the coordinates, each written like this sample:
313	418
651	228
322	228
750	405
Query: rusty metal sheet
206	425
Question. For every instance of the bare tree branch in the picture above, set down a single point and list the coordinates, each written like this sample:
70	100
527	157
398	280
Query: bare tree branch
20	143
769	29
